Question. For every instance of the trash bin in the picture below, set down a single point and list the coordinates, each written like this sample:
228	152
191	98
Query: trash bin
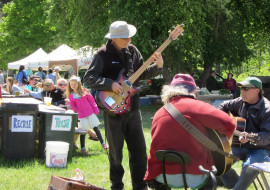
56	124
18	130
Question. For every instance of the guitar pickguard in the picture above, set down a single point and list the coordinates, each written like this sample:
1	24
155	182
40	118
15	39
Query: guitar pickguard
117	103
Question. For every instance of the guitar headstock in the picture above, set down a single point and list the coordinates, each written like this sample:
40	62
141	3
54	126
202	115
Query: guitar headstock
253	138
177	31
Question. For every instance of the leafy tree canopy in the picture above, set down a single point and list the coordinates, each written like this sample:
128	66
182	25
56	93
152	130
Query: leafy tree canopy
218	33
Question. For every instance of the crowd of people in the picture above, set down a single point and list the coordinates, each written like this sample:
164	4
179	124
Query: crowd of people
63	94
167	134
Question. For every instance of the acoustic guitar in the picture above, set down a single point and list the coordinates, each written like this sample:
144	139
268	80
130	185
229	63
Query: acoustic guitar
240	124
120	103
223	163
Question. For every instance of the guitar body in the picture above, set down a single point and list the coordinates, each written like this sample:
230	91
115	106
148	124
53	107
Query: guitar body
222	163
115	103
240	124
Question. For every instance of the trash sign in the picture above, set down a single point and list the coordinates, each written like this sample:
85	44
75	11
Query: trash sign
61	123
22	123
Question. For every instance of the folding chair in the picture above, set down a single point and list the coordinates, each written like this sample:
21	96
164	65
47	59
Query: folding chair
261	168
181	158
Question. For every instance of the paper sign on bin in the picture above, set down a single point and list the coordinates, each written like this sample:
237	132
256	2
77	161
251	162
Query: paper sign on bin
61	123
22	123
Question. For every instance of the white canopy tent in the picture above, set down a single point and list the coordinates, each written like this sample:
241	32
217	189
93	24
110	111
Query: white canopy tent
66	58
39	54
62	53
85	56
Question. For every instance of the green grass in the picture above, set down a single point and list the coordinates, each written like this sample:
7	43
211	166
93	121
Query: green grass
34	175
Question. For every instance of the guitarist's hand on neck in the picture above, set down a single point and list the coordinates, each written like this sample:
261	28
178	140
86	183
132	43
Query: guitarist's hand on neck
158	59
117	88
242	137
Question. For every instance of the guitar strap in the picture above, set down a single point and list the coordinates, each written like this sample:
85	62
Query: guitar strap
196	133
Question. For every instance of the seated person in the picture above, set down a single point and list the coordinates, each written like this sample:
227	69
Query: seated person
255	109
12	88
50	90
168	134
62	85
32	89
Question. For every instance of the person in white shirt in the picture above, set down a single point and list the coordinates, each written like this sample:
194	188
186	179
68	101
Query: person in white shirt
57	73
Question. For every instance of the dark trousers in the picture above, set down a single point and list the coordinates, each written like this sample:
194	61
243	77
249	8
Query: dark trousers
126	128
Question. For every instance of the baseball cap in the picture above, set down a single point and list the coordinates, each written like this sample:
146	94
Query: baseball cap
121	29
251	82
184	80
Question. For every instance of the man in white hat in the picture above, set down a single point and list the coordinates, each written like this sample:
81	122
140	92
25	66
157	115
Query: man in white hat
118	54
57	73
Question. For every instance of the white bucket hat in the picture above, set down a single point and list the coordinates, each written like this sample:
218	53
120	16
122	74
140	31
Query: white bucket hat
57	68
120	29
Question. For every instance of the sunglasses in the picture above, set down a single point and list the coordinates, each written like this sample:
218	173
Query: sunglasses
61	84
246	88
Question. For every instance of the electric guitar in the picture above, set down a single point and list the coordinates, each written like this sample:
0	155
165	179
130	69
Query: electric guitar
120	103
240	124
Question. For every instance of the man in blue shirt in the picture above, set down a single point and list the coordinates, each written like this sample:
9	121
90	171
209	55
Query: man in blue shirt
40	73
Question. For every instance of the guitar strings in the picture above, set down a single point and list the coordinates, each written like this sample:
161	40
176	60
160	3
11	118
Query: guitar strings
136	75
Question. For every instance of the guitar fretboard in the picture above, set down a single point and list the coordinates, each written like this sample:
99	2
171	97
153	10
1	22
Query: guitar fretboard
146	64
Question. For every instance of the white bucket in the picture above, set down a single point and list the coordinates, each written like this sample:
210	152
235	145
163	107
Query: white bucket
56	153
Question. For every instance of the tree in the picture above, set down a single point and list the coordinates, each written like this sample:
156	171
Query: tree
214	32
219	34
24	29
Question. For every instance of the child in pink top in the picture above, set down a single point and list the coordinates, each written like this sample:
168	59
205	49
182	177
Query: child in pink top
82	102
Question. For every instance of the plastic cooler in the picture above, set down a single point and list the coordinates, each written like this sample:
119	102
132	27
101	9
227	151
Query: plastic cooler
19	123
56	124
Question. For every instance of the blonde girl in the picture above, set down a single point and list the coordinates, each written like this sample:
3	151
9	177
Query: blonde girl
82	102
12	88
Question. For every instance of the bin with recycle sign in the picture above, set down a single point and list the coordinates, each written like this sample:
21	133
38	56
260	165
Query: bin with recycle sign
56	124
19	123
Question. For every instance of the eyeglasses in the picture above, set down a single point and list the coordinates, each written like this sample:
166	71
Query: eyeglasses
61	84
246	88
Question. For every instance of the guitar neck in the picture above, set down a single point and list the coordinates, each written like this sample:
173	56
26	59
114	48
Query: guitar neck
147	63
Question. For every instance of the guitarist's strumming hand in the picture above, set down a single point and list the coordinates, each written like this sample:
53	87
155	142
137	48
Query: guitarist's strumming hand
158	59
117	88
